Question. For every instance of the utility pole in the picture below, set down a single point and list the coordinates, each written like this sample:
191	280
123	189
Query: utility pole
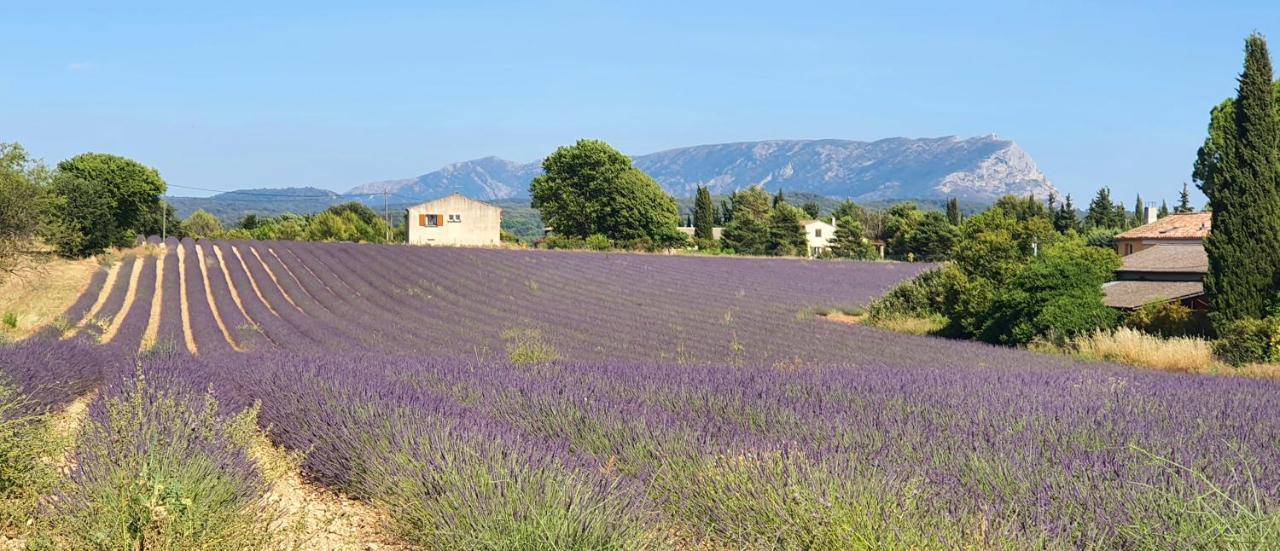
164	224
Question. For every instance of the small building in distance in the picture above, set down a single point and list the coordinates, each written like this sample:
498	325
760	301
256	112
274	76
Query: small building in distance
1160	273
455	221
818	233
689	231
1174	229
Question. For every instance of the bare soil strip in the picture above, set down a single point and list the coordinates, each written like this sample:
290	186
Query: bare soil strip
153	321
272	275
112	274
289	271
235	294
249	275
134	276
314	517
182	296
208	296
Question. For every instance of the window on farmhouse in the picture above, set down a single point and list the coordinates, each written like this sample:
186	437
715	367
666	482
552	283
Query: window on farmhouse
432	220
817	232
455	217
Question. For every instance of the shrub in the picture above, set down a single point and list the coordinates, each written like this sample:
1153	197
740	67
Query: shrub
1248	340
1058	293
597	242
10	320
25	445
564	242
527	347
920	297
159	467
1101	237
1167	319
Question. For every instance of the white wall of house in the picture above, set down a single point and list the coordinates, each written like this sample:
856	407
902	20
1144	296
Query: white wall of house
819	234
454	221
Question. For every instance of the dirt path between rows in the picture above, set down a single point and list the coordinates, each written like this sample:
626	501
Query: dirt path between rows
272	275
112	275
235	294
213	306
185	307
110	332
157	303
252	282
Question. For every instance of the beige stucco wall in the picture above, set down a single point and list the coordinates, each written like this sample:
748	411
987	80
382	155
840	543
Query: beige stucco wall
480	223
819	235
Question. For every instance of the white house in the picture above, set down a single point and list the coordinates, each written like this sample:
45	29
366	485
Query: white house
819	234
456	221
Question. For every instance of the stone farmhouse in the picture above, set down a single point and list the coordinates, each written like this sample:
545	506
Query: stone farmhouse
455	221
1163	261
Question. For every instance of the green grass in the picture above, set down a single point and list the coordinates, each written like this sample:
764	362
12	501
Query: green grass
528	347
26	444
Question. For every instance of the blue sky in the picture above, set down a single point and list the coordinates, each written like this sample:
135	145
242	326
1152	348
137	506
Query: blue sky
239	95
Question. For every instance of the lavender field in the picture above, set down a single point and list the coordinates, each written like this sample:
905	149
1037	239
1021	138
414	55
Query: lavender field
524	399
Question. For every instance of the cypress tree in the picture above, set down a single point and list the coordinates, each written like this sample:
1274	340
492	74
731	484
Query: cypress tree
703	214
953	211
1184	201
779	199
1138	218
1244	246
1164	209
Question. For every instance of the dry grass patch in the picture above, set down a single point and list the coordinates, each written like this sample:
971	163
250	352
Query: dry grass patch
1129	346
39	290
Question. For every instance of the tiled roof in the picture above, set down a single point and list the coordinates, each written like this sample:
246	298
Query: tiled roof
1134	294
1194	225
1167	258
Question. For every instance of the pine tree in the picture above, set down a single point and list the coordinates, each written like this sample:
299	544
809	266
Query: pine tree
1164	209
786	235
1065	218
1244	246
1101	213
1184	201
953	211
704	216
848	241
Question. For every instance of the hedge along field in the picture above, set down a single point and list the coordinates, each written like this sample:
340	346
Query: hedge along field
527	399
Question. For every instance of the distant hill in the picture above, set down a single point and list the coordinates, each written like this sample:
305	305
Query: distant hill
977	169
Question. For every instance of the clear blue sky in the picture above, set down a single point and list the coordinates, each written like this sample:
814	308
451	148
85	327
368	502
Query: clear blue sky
239	95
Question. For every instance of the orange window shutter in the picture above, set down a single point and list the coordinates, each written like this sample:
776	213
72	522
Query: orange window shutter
422	220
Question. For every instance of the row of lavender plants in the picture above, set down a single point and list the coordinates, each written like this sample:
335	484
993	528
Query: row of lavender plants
763	458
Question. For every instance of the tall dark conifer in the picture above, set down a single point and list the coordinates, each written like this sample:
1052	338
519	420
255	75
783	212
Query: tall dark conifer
1139	217
1244	246
953	211
1184	201
704	216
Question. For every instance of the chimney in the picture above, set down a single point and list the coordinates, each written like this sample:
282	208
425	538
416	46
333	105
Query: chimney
833	220
1149	214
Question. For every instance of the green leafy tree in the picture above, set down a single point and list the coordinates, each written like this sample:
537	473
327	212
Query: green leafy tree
133	188
1238	168
591	188
849	241
811	210
87	223
1058	293
1021	208
328	226
1184	199
703	214
161	219
202	225
748	229
899	222
25	203
786	235
953	211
